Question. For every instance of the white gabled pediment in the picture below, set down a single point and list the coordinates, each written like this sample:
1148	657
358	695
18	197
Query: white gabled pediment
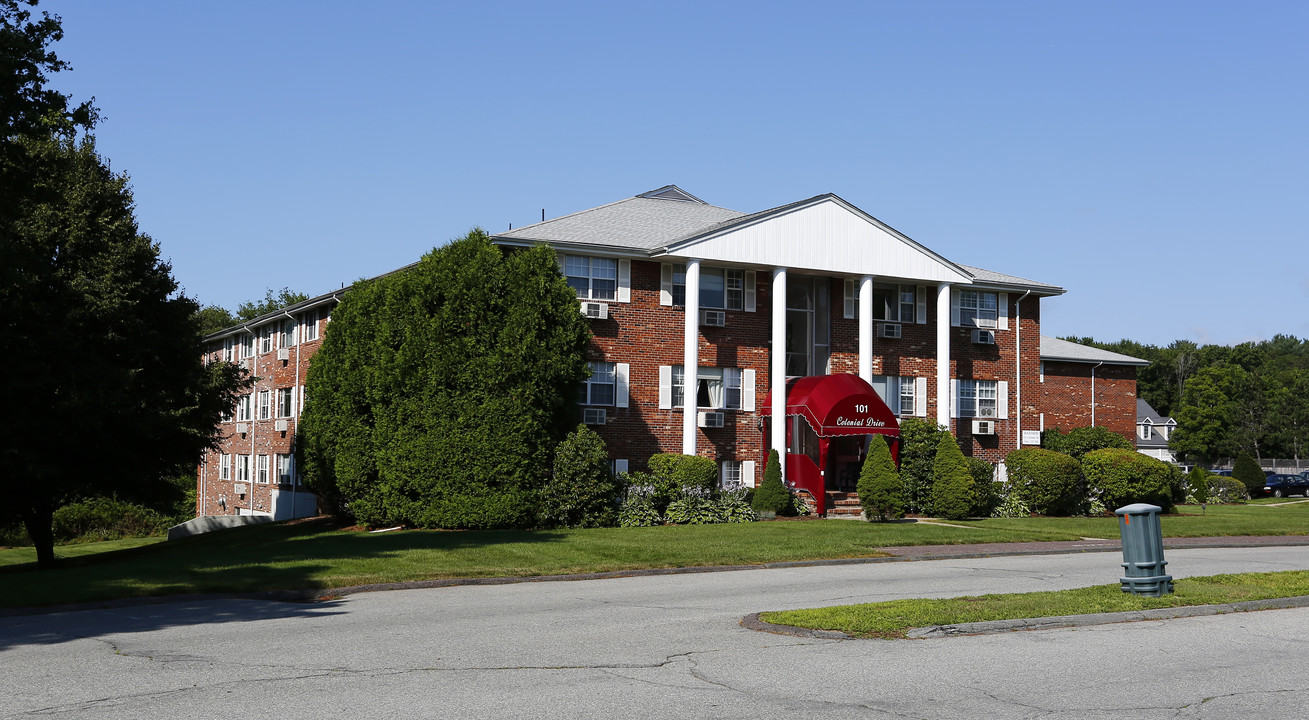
824	234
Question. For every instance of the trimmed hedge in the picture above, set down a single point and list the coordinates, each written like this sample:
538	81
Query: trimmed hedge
1080	441
987	494
1122	477
1227	490
879	488
107	519
673	471
1045	481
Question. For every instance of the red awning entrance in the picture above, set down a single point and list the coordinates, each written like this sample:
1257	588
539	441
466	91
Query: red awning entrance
826	414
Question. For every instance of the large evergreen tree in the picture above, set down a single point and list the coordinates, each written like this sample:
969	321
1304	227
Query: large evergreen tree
441	391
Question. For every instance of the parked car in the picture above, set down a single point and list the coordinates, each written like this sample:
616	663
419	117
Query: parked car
1281	485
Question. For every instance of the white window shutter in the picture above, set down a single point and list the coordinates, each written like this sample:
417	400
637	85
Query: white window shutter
624	281
620	466
621	372
294	405
1002	305
749	290
747	390
665	386
666	284
747	473
920	397
920	295
892	398
954	307
954	398
1002	399
851	302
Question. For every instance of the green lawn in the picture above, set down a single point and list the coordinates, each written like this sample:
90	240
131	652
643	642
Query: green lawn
317	556
893	619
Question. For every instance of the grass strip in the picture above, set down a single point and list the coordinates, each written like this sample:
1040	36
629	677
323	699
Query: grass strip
894	618
318	556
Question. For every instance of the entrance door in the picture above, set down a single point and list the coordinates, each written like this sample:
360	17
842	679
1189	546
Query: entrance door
845	458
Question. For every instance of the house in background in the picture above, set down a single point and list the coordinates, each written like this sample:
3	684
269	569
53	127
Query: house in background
699	313
1153	431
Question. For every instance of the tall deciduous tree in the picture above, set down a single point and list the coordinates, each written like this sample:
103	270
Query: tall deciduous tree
441	391
104	388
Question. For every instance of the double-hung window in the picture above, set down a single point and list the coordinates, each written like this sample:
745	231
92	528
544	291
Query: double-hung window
898	392
286	469
599	388
977	398
892	303
979	309
265	404
285	402
720	288
288	334
262	469
592	278
224	467
309	325
729	476
266	334
243	408
243	468
715	388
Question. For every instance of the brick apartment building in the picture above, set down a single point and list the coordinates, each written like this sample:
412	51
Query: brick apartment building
672	282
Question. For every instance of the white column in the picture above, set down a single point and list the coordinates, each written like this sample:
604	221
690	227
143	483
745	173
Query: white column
866	327
690	356
777	383
943	354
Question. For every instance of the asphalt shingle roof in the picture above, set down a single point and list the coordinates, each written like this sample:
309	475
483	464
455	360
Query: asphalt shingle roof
1056	349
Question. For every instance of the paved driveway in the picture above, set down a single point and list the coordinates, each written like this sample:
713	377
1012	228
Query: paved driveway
665	646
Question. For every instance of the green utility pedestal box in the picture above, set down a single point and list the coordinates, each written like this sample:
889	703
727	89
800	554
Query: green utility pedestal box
1143	551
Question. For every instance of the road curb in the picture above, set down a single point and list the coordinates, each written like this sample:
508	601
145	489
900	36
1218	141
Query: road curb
991	627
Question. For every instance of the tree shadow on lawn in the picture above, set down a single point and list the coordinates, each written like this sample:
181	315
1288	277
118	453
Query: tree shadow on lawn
303	556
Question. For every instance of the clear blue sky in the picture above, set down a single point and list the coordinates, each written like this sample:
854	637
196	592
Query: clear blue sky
1149	157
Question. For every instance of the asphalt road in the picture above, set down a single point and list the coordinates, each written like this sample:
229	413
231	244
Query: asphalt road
663	646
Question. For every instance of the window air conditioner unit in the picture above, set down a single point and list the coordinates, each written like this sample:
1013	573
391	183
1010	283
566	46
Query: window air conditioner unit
984	337
983	427
594	416
595	310
280	425
889	330
713	318
240	488
710	420
242	428
284	353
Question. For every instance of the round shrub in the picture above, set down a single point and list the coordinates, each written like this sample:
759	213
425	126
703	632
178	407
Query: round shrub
1247	472
879	488
952	483
582	492
1226	490
670	472
1122	477
772	496
1045	481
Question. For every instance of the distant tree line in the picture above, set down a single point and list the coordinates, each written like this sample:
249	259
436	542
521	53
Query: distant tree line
214	318
1248	398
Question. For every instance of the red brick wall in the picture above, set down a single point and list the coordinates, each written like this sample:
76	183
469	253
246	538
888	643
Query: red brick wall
263	438
1066	397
